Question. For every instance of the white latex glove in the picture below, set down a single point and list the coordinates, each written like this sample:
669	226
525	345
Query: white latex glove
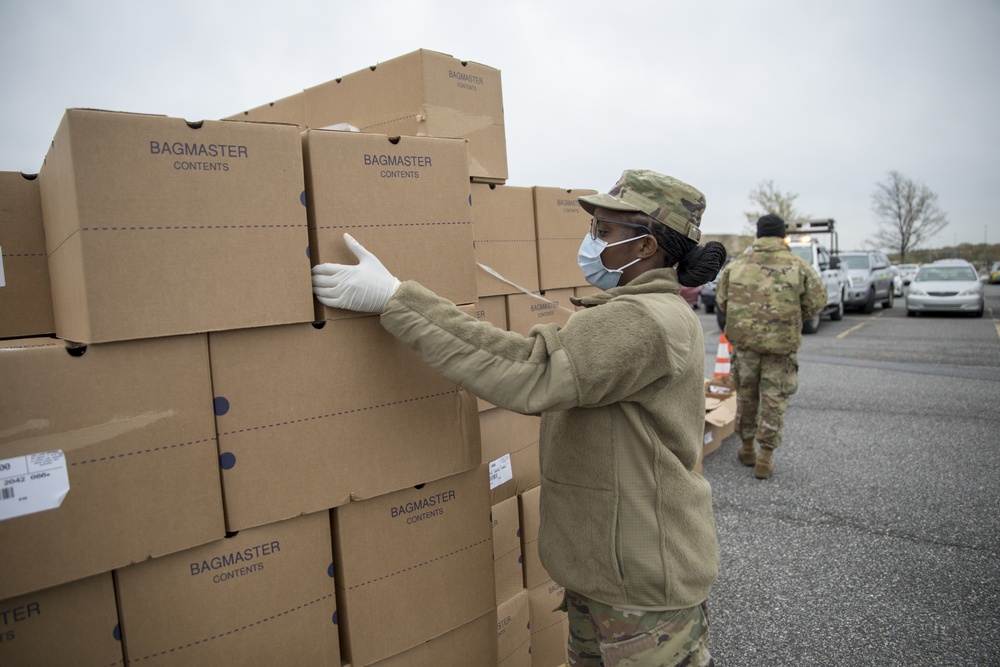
365	286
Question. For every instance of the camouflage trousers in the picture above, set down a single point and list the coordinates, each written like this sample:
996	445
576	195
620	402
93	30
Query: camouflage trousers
601	635
764	383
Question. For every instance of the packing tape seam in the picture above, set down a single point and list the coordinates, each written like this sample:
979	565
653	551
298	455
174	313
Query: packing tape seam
426	562
234	630
479	241
365	128
340	413
158	228
512	551
102	459
551	625
394	224
516	650
524	290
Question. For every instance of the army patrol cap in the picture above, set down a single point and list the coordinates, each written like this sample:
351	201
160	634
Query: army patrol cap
665	199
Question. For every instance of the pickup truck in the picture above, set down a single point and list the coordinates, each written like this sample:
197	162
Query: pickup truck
802	241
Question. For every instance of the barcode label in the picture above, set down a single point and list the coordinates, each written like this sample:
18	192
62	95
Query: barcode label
32	483
500	471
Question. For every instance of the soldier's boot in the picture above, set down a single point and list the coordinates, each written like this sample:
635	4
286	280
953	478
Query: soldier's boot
763	468
747	453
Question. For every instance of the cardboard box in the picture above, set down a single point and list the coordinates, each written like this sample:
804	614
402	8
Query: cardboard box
560	224
155	226
133	422
549	626
405	199
504	223
291	109
492	309
263	596
412	565
71	624
510	447
507	549
25	296
514	632
720	423
534	572
423	93
524	311
347	412
473	643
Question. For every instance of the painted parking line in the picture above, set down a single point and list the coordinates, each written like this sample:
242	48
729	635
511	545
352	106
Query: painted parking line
842	334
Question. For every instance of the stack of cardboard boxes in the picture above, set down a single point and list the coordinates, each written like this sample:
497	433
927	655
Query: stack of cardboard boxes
202	465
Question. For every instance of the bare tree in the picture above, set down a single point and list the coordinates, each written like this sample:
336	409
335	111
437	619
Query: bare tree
908	212
771	200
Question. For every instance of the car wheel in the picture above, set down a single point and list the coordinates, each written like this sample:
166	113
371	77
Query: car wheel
869	306
838	314
709	309
911	313
888	302
811	326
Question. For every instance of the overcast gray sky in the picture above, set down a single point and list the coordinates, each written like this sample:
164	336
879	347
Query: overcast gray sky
822	97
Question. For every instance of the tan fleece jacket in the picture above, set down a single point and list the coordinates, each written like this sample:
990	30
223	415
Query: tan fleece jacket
624	520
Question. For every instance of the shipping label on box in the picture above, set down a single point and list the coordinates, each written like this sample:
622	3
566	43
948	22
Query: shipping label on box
206	216
510	446
507	549
25	293
72	624
413	565
423	93
131	425
405	199
560	224
263	596
504	223
347	412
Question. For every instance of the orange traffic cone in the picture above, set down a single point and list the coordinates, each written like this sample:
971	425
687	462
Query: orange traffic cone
722	357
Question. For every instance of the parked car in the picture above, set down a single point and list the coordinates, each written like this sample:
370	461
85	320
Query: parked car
708	295
907	271
946	286
995	273
830	271
871	280
897	280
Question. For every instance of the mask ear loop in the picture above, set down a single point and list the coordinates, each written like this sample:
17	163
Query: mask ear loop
522	289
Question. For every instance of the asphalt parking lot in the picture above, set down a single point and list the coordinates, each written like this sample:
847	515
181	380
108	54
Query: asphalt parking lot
876	541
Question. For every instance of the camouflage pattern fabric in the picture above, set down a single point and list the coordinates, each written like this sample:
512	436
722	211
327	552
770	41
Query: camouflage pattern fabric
602	635
667	200
766	293
764	382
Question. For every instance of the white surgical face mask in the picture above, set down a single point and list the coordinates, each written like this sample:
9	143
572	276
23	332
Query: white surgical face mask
589	259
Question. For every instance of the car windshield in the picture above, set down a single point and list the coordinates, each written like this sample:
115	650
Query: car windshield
855	261
803	251
946	273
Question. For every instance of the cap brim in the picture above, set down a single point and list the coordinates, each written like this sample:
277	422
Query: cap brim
591	202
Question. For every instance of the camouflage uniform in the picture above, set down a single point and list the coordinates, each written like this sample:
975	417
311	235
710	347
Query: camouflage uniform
766	294
604	636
